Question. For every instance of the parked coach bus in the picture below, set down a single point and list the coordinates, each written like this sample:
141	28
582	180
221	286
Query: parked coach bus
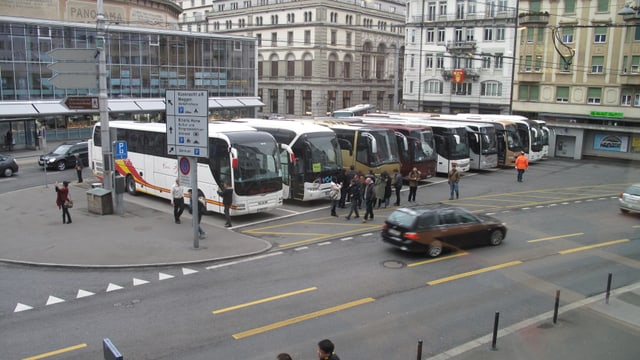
364	147
509	144
239	154
356	110
416	147
309	156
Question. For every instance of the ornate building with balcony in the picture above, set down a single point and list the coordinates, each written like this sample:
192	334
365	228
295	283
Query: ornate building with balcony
578	68
314	56
459	56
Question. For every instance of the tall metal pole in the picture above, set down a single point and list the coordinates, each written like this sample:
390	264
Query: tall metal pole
420	60
107	147
513	60
395	78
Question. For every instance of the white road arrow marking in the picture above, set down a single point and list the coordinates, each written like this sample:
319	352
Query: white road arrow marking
22	307
53	300
187	271
137	282
163	276
83	293
113	287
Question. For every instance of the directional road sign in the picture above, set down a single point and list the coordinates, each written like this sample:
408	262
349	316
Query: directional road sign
82	102
187	122
74	68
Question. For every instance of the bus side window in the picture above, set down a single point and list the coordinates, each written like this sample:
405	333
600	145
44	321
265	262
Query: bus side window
346	145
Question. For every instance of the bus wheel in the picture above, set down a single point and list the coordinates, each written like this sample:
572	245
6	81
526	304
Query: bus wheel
131	185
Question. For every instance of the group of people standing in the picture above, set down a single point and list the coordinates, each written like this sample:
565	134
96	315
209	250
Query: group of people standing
360	190
325	351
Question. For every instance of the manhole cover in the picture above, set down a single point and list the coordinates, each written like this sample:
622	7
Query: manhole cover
393	264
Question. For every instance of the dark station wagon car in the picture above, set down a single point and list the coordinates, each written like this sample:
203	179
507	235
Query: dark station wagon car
431	228
64	156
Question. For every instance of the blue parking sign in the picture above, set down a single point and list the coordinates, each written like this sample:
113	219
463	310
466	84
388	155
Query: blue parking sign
120	150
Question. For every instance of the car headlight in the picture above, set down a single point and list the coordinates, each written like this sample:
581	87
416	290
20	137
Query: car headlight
51	160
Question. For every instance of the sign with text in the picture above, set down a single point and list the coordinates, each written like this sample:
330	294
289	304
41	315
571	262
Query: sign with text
82	102
187	122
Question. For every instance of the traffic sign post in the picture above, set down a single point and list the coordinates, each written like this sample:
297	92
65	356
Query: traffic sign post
82	102
188	136
74	68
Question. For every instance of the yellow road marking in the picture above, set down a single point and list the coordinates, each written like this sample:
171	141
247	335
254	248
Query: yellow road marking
301	318
555	237
437	259
635	227
261	301
56	352
474	272
286	233
614	242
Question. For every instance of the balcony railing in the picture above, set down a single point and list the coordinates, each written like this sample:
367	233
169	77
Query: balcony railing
472	74
501	14
461	46
533	18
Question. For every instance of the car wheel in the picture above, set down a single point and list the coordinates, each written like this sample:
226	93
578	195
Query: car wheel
496	237
61	165
435	249
131	185
7	172
624	211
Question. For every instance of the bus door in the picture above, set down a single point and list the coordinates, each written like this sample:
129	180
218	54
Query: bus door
287	165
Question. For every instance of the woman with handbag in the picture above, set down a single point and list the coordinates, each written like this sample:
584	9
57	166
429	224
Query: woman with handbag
64	201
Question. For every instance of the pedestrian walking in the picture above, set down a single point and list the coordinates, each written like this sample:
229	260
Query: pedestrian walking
414	177
79	165
334	195
344	189
63	201
380	183
226	193
522	164
453	180
369	199
354	192
397	184
387	188
202	208
177	200
8	140
362	187
326	350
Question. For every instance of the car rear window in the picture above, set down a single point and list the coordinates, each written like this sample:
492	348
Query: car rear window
402	218
633	190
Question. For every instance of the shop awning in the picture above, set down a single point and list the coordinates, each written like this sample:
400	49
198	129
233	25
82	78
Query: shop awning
151	105
229	103
51	108
17	109
251	101
119	105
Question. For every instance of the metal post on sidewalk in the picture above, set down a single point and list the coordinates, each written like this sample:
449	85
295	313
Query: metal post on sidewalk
608	287
555	307
494	340
419	350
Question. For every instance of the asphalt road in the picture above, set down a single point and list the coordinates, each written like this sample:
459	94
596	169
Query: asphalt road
369	298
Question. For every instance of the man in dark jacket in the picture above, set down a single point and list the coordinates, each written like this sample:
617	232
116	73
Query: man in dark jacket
226	193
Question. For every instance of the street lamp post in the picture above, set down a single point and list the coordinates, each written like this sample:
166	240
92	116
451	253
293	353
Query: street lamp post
420	60
513	60
107	152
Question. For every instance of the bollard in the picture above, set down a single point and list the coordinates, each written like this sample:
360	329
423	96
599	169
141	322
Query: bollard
419	349
608	288
555	308
495	331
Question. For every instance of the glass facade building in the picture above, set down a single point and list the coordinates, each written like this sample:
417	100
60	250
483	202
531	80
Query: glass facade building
141	65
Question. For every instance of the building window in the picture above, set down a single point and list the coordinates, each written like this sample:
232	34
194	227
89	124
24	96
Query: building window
538	64
259	38
594	95
597	64
500	32
332	66
348	39
491	88
273	100
459	10
625	98
527	63
439	61
290	38
528	92
412	61
570	6
433	87
260	69
291	68
565	65
441	35
346	68
567	35
307	68
259	20
307	37
308	16
431	33
498	60
488	34
290	100
442	8
274	19
411	87
562	94
334	37
486	62
428	62
274	39
600	35
274	68
413	36
431	11
461	88
346	98
366	97
603	6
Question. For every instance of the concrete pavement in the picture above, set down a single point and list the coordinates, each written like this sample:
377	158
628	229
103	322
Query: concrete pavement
33	233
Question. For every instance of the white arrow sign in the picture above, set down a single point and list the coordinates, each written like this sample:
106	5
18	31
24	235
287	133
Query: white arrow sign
79	55
75	81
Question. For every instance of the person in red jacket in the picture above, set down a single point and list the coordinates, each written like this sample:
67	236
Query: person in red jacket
63	200
522	163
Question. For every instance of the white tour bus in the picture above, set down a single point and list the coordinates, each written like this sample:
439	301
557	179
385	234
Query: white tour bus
309	156
238	154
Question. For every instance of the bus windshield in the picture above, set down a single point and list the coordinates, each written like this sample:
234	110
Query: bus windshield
382	145
424	151
513	139
458	143
259	165
321	151
488	140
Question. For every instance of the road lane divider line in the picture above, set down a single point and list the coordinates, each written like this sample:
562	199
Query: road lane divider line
555	237
360	228
594	246
56	352
474	272
438	259
262	301
285	233
301	318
